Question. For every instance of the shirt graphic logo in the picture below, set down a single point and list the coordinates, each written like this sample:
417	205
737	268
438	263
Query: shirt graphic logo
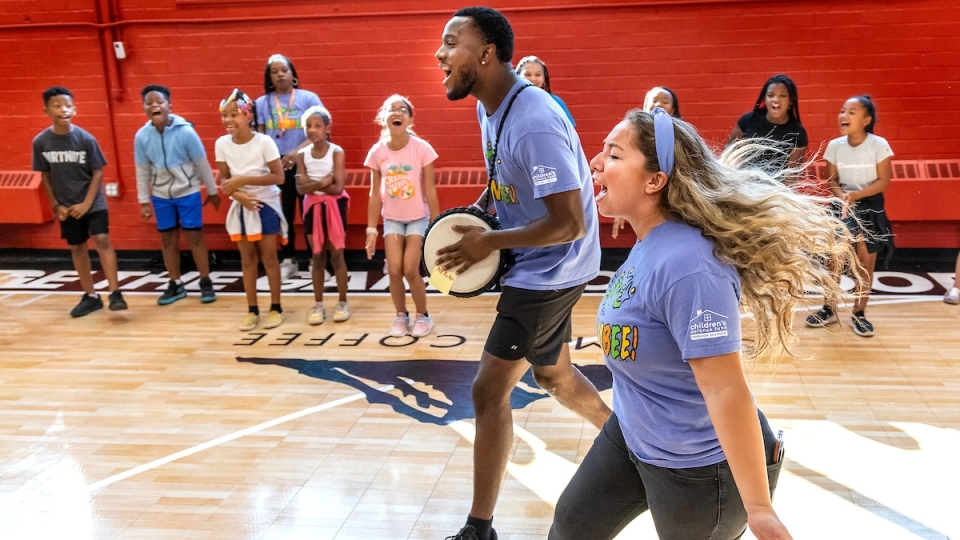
503	193
707	325
542	175
398	182
67	156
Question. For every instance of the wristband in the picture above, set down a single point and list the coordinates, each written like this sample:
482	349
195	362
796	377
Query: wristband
372	230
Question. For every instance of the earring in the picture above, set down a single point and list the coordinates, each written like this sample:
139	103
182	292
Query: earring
483	61
296	82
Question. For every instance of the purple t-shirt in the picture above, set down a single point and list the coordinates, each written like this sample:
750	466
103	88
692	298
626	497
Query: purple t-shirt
671	301
539	155
282	123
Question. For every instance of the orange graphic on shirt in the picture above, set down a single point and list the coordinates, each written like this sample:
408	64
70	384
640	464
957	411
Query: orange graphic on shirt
397	182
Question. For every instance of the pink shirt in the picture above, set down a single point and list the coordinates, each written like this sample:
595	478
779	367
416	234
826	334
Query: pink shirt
401	178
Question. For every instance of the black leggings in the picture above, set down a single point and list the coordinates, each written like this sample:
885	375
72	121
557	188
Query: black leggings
288	202
612	487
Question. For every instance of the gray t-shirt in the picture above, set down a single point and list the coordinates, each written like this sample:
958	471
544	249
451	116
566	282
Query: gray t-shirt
71	160
857	165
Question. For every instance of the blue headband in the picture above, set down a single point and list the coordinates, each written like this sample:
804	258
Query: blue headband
664	138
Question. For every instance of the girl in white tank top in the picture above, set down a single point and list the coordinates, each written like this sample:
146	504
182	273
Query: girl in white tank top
324	209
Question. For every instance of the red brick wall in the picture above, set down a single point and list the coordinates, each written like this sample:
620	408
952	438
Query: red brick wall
602	60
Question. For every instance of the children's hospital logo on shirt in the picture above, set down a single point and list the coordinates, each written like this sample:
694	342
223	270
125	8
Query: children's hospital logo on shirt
542	175
398	182
708	324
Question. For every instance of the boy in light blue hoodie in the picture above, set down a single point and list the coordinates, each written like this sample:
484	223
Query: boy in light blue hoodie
171	164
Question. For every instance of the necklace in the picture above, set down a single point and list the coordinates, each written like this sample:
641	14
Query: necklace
283	119
492	152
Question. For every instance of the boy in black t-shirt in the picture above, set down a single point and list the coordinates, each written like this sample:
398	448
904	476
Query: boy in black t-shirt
72	164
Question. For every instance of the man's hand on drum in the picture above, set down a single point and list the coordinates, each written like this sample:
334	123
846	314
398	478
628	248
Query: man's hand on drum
471	249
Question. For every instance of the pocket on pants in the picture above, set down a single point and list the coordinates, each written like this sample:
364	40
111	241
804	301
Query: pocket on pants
696	475
773	475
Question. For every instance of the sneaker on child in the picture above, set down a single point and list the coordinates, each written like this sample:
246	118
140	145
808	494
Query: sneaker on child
861	326
250	321
117	303
952	296
175	291
341	312
273	320
422	326
207	294
469	532
400	325
822	318
317	315
88	304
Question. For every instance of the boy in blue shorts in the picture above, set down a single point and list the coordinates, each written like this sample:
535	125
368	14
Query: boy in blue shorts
71	164
171	164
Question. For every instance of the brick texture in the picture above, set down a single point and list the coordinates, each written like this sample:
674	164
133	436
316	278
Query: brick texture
602	60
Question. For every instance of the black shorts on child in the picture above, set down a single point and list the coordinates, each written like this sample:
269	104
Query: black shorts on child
308	218
78	231
533	324
867	221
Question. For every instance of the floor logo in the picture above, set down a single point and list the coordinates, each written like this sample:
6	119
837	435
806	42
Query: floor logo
429	391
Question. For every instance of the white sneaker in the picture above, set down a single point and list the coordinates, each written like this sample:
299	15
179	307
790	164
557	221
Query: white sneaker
317	315
952	296
422	326
400	325
341	312
289	269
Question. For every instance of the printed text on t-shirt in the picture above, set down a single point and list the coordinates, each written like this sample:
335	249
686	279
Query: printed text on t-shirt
66	156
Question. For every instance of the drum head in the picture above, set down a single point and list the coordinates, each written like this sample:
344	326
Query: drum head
482	275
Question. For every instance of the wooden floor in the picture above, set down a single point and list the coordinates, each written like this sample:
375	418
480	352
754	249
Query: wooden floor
167	422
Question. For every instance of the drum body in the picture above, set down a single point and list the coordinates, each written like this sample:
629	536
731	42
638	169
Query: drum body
483	275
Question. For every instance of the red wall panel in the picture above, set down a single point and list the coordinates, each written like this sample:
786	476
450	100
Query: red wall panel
602	59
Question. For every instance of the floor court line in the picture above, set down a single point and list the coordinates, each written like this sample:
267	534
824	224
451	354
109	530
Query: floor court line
226	438
39	296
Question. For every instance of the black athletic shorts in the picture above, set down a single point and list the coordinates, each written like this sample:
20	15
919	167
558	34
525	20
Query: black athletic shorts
311	214
78	231
533	324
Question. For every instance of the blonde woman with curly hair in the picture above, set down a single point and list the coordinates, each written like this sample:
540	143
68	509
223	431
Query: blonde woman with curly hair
686	440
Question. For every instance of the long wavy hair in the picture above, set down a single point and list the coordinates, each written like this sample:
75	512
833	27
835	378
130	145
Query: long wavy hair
780	241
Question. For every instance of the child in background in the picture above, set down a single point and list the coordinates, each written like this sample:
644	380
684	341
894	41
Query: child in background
663	97
250	172
321	171
71	166
278	113
858	170
534	70
402	189
775	116
666	99
171	164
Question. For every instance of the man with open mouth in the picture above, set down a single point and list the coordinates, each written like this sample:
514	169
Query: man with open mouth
542	190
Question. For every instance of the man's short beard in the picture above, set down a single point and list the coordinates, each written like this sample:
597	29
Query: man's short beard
468	78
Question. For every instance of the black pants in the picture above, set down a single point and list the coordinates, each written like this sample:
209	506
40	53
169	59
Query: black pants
288	202
611	488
